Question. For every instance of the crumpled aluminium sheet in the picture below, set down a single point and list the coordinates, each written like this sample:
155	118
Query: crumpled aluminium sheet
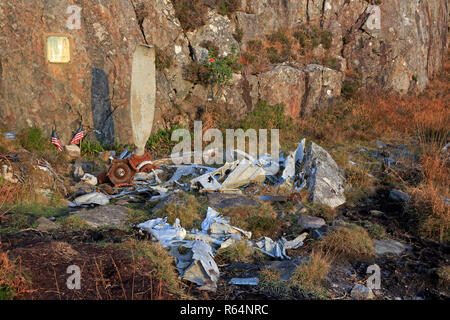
232	175
187	170
218	228
291	177
203	261
277	249
194	251
91	198
164	232
197	265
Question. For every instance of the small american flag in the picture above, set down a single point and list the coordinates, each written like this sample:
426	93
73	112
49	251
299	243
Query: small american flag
56	141
78	136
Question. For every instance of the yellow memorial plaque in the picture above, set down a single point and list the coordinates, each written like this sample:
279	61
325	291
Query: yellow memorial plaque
58	49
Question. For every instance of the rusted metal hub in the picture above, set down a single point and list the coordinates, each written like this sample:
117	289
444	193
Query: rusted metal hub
137	161
122	171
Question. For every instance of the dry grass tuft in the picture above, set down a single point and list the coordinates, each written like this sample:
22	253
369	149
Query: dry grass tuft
189	210
308	279
352	243
311	275
12	280
239	252
161	263
431	213
261	220
444	276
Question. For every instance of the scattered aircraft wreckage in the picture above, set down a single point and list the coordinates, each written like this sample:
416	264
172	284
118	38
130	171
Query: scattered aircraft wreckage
135	173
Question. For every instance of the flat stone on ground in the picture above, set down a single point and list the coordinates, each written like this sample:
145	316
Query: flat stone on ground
310	222
397	195
44	224
285	267
221	201
389	246
106	216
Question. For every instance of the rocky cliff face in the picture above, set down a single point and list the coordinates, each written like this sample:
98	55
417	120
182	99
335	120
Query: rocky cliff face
296	52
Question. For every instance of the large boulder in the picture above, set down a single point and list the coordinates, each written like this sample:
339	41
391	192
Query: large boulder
402	55
324	178
315	170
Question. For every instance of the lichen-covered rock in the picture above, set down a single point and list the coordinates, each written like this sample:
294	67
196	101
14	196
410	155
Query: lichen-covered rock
162	29
324	179
310	222
323	85
286	85
107	216
44	224
73	150
217	30
241	95
302	89
263	17
361	292
406	51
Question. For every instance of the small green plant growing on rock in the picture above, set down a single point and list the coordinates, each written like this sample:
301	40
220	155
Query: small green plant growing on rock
221	69
33	140
227	7
273	55
160	142
91	147
310	38
238	34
